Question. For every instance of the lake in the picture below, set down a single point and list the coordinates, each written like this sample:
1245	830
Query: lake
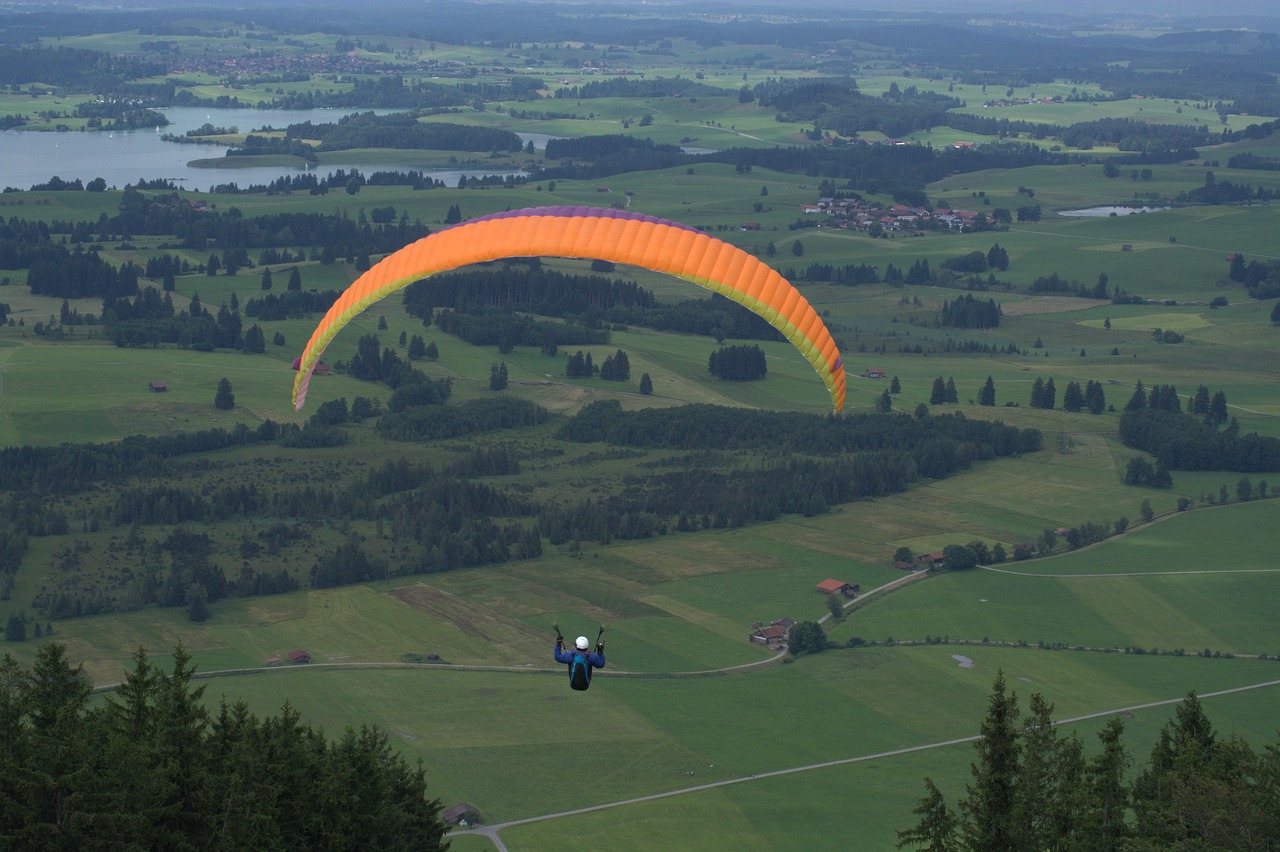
121	157
1111	210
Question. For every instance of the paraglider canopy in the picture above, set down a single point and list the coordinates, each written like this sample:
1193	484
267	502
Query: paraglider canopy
617	236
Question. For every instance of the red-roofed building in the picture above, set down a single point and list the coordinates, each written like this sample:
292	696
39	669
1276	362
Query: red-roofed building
838	587
773	635
298	656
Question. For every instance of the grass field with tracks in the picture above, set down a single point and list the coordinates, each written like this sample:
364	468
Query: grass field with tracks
492	718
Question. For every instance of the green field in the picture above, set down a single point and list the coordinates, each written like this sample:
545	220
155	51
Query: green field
736	746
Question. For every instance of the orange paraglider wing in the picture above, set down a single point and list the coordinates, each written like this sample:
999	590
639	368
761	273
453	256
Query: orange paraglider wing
603	234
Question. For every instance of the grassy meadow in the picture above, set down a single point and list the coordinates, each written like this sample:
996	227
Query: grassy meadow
1184	603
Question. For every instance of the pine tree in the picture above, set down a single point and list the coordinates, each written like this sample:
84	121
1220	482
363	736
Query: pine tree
254	340
266	279
987	396
224	399
498	376
952	395
1106	796
1236	272
1073	397
197	603
646	384
989	812
1138	401
938	395
937	829
1218	408
295	280
1037	393
1094	397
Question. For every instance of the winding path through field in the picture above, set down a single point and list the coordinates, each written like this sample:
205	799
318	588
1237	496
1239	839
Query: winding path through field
491	831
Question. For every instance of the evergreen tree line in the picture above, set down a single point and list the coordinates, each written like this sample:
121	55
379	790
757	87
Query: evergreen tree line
1249	160
488	298
151	765
76	68
74	468
1193	440
169	213
545	292
314	184
1129	134
649	87
595	147
1261	278
849	275
968	312
1225	192
1055	283
79	274
507	325
580	366
293	304
167	503
55	270
701	497
401	130
709	427
840	108
150	321
437	422
504	328
1034	788
1182	441
737	363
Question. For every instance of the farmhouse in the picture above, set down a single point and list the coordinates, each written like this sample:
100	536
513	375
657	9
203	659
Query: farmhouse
772	635
838	587
936	558
298	656
157	386
460	813
873	373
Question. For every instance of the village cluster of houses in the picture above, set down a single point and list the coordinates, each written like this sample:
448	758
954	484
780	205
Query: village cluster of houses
1007	102
855	214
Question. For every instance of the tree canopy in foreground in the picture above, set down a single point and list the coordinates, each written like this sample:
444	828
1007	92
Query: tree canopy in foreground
151	768
1033	788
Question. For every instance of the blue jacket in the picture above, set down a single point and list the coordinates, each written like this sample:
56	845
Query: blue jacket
595	660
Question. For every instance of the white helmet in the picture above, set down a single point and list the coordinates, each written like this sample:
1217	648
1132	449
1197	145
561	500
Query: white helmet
583	643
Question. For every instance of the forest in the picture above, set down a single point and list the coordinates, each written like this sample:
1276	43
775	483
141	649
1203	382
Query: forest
1034	788
152	764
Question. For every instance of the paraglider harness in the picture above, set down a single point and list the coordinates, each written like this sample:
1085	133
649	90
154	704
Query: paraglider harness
580	666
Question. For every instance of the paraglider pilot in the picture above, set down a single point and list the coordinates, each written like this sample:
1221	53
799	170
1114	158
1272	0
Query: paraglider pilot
580	659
